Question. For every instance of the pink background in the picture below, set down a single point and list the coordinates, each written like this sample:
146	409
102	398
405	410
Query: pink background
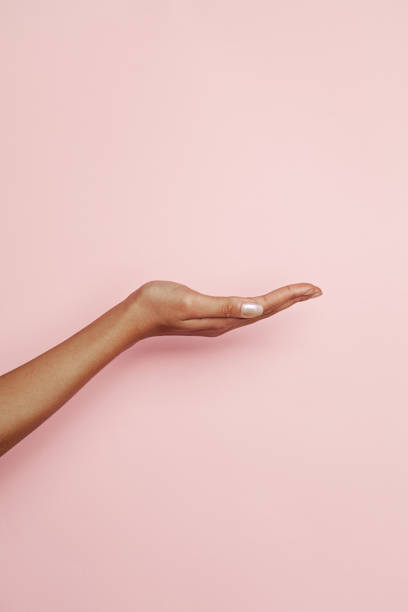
234	147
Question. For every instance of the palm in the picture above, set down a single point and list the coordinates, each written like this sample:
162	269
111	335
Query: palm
168	307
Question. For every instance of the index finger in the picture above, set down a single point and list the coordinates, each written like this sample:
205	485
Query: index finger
279	297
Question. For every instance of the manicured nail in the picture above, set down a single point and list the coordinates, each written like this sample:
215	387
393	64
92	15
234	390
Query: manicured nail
251	310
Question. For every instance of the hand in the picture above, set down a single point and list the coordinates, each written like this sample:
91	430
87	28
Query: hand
157	308
164	307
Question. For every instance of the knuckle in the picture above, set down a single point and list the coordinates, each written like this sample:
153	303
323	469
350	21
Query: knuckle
290	292
187	303
228	308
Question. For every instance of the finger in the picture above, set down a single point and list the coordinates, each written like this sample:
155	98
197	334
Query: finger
225	324
272	312
212	324
284	296
207	306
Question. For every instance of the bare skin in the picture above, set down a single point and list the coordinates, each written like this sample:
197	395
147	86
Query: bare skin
32	392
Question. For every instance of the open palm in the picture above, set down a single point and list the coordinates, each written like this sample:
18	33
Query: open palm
166	307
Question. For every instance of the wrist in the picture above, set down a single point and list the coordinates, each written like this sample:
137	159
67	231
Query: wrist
131	323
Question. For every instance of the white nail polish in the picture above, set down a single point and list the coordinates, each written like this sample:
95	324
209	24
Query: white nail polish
251	310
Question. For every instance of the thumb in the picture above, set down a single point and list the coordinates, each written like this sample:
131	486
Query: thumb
232	306
244	307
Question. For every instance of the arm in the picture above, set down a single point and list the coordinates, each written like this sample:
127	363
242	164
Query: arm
32	392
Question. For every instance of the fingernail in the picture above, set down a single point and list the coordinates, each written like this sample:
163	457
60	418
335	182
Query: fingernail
251	310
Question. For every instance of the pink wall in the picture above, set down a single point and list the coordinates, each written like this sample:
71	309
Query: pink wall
234	147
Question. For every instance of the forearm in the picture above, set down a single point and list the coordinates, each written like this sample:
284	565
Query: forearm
30	393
